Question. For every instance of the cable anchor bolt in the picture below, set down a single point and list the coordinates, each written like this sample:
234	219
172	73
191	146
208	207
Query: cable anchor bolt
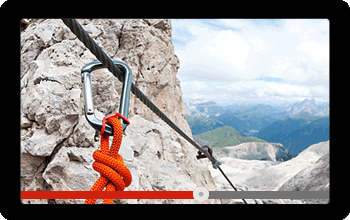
201	155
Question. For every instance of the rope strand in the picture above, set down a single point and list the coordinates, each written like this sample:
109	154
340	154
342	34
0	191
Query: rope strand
115	176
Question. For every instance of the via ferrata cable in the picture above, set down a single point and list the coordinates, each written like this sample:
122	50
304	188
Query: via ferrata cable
222	172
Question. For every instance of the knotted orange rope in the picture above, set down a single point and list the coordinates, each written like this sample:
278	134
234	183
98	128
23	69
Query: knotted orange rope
115	176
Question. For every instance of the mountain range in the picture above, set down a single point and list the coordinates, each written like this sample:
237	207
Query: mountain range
298	132
212	109
296	126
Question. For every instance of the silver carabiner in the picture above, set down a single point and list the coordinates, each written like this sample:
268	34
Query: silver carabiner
124	99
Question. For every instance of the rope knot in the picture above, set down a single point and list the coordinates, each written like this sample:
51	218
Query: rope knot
115	176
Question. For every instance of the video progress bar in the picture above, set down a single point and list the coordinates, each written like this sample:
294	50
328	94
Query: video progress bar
174	195
269	195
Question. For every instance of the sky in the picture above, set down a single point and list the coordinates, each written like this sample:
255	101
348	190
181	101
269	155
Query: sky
253	61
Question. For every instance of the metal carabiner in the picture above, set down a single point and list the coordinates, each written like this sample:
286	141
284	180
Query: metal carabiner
124	99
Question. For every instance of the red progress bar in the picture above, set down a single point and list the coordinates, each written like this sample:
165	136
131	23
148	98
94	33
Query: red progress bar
107	195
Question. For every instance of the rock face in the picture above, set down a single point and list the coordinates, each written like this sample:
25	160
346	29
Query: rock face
305	179
252	151
308	171
313	178
57	142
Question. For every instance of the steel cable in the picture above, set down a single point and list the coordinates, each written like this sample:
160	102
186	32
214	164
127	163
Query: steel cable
228	180
84	37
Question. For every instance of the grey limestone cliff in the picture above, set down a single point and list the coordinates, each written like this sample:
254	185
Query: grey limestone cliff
57	142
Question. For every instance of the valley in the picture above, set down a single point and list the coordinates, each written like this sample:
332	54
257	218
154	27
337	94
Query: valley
226	136
296	127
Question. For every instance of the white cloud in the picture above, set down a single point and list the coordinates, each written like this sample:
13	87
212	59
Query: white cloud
252	91
222	59
186	30
318	52
222	54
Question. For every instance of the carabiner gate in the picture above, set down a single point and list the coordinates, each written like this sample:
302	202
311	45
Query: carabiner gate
124	99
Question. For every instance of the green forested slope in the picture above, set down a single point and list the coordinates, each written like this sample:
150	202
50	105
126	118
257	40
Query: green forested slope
226	136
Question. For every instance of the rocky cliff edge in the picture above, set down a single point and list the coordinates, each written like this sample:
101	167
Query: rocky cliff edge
57	142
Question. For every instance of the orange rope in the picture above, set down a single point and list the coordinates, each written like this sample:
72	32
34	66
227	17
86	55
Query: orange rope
115	176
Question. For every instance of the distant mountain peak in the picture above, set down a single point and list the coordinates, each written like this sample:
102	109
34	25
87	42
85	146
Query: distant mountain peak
307	106
200	101
204	108
309	102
